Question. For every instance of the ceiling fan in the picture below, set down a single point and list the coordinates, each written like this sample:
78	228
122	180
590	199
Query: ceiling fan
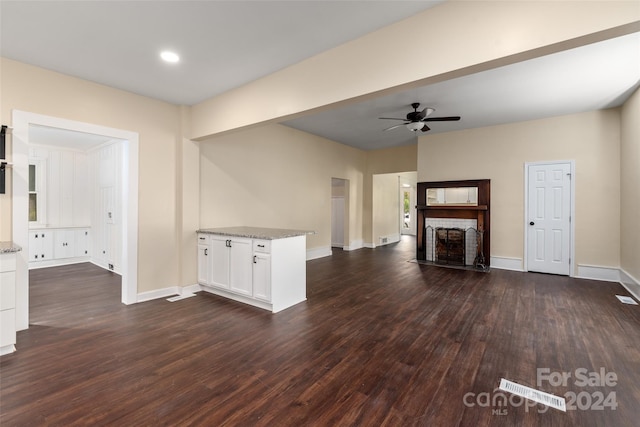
415	120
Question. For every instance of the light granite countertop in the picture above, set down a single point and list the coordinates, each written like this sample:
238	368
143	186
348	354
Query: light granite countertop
256	232
9	247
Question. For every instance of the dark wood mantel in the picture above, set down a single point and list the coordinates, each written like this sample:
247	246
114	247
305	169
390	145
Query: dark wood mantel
480	213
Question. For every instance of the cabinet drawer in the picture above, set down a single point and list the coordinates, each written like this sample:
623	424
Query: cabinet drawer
203	239
262	246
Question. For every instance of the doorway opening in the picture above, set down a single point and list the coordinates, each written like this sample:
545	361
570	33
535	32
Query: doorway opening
128	209
339	213
408	203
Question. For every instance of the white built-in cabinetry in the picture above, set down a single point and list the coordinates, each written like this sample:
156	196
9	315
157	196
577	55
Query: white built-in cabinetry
266	273
56	246
79	193
7	301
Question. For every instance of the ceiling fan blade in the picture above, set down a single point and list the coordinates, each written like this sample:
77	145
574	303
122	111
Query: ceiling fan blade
393	127
442	119
392	118
426	112
425	128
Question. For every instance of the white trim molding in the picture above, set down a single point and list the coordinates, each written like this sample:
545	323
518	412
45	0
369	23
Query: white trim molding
167	292
354	245
630	283
506	263
596	272
321	252
158	294
21	120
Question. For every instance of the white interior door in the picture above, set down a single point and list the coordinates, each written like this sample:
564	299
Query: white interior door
549	218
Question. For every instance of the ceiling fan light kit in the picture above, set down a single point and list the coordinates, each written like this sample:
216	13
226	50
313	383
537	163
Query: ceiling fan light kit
415	126
415	120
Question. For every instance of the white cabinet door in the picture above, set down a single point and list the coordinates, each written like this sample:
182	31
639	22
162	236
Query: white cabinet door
40	245
204	264
219	261
262	276
81	247
63	241
240	271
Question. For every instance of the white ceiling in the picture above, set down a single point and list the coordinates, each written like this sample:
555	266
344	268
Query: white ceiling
224	44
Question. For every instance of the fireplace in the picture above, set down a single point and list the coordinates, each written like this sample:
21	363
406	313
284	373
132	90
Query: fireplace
461	205
450	246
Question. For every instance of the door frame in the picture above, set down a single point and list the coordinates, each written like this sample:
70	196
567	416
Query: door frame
20	143
572	213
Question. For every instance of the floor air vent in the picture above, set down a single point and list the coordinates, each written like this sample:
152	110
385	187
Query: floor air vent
535	395
626	300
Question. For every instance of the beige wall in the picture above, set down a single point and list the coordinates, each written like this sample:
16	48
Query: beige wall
630	187
499	152
40	91
386	207
479	35
276	176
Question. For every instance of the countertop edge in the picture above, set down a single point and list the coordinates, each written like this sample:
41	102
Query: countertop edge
9	248
255	232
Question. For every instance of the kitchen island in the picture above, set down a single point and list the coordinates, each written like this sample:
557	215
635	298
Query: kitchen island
263	267
8	291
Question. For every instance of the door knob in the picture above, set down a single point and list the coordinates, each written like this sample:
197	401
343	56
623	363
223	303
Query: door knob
532	223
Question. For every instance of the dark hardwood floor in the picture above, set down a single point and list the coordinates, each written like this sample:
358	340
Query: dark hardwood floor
380	342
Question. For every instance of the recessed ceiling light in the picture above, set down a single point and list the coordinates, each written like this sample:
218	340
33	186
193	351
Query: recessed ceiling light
169	56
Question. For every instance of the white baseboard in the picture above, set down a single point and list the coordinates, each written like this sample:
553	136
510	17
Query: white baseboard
369	245
595	272
190	289
354	245
320	252
34	265
630	283
506	263
158	293
391	238
167	292
105	266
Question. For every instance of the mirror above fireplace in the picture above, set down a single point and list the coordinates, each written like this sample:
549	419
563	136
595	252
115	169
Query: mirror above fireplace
452	196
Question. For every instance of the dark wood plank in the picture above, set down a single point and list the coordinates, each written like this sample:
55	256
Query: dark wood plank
380	341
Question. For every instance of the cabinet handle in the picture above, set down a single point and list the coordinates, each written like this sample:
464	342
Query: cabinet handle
206	251
228	243
254	260
201	238
36	236
261	246
36	256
